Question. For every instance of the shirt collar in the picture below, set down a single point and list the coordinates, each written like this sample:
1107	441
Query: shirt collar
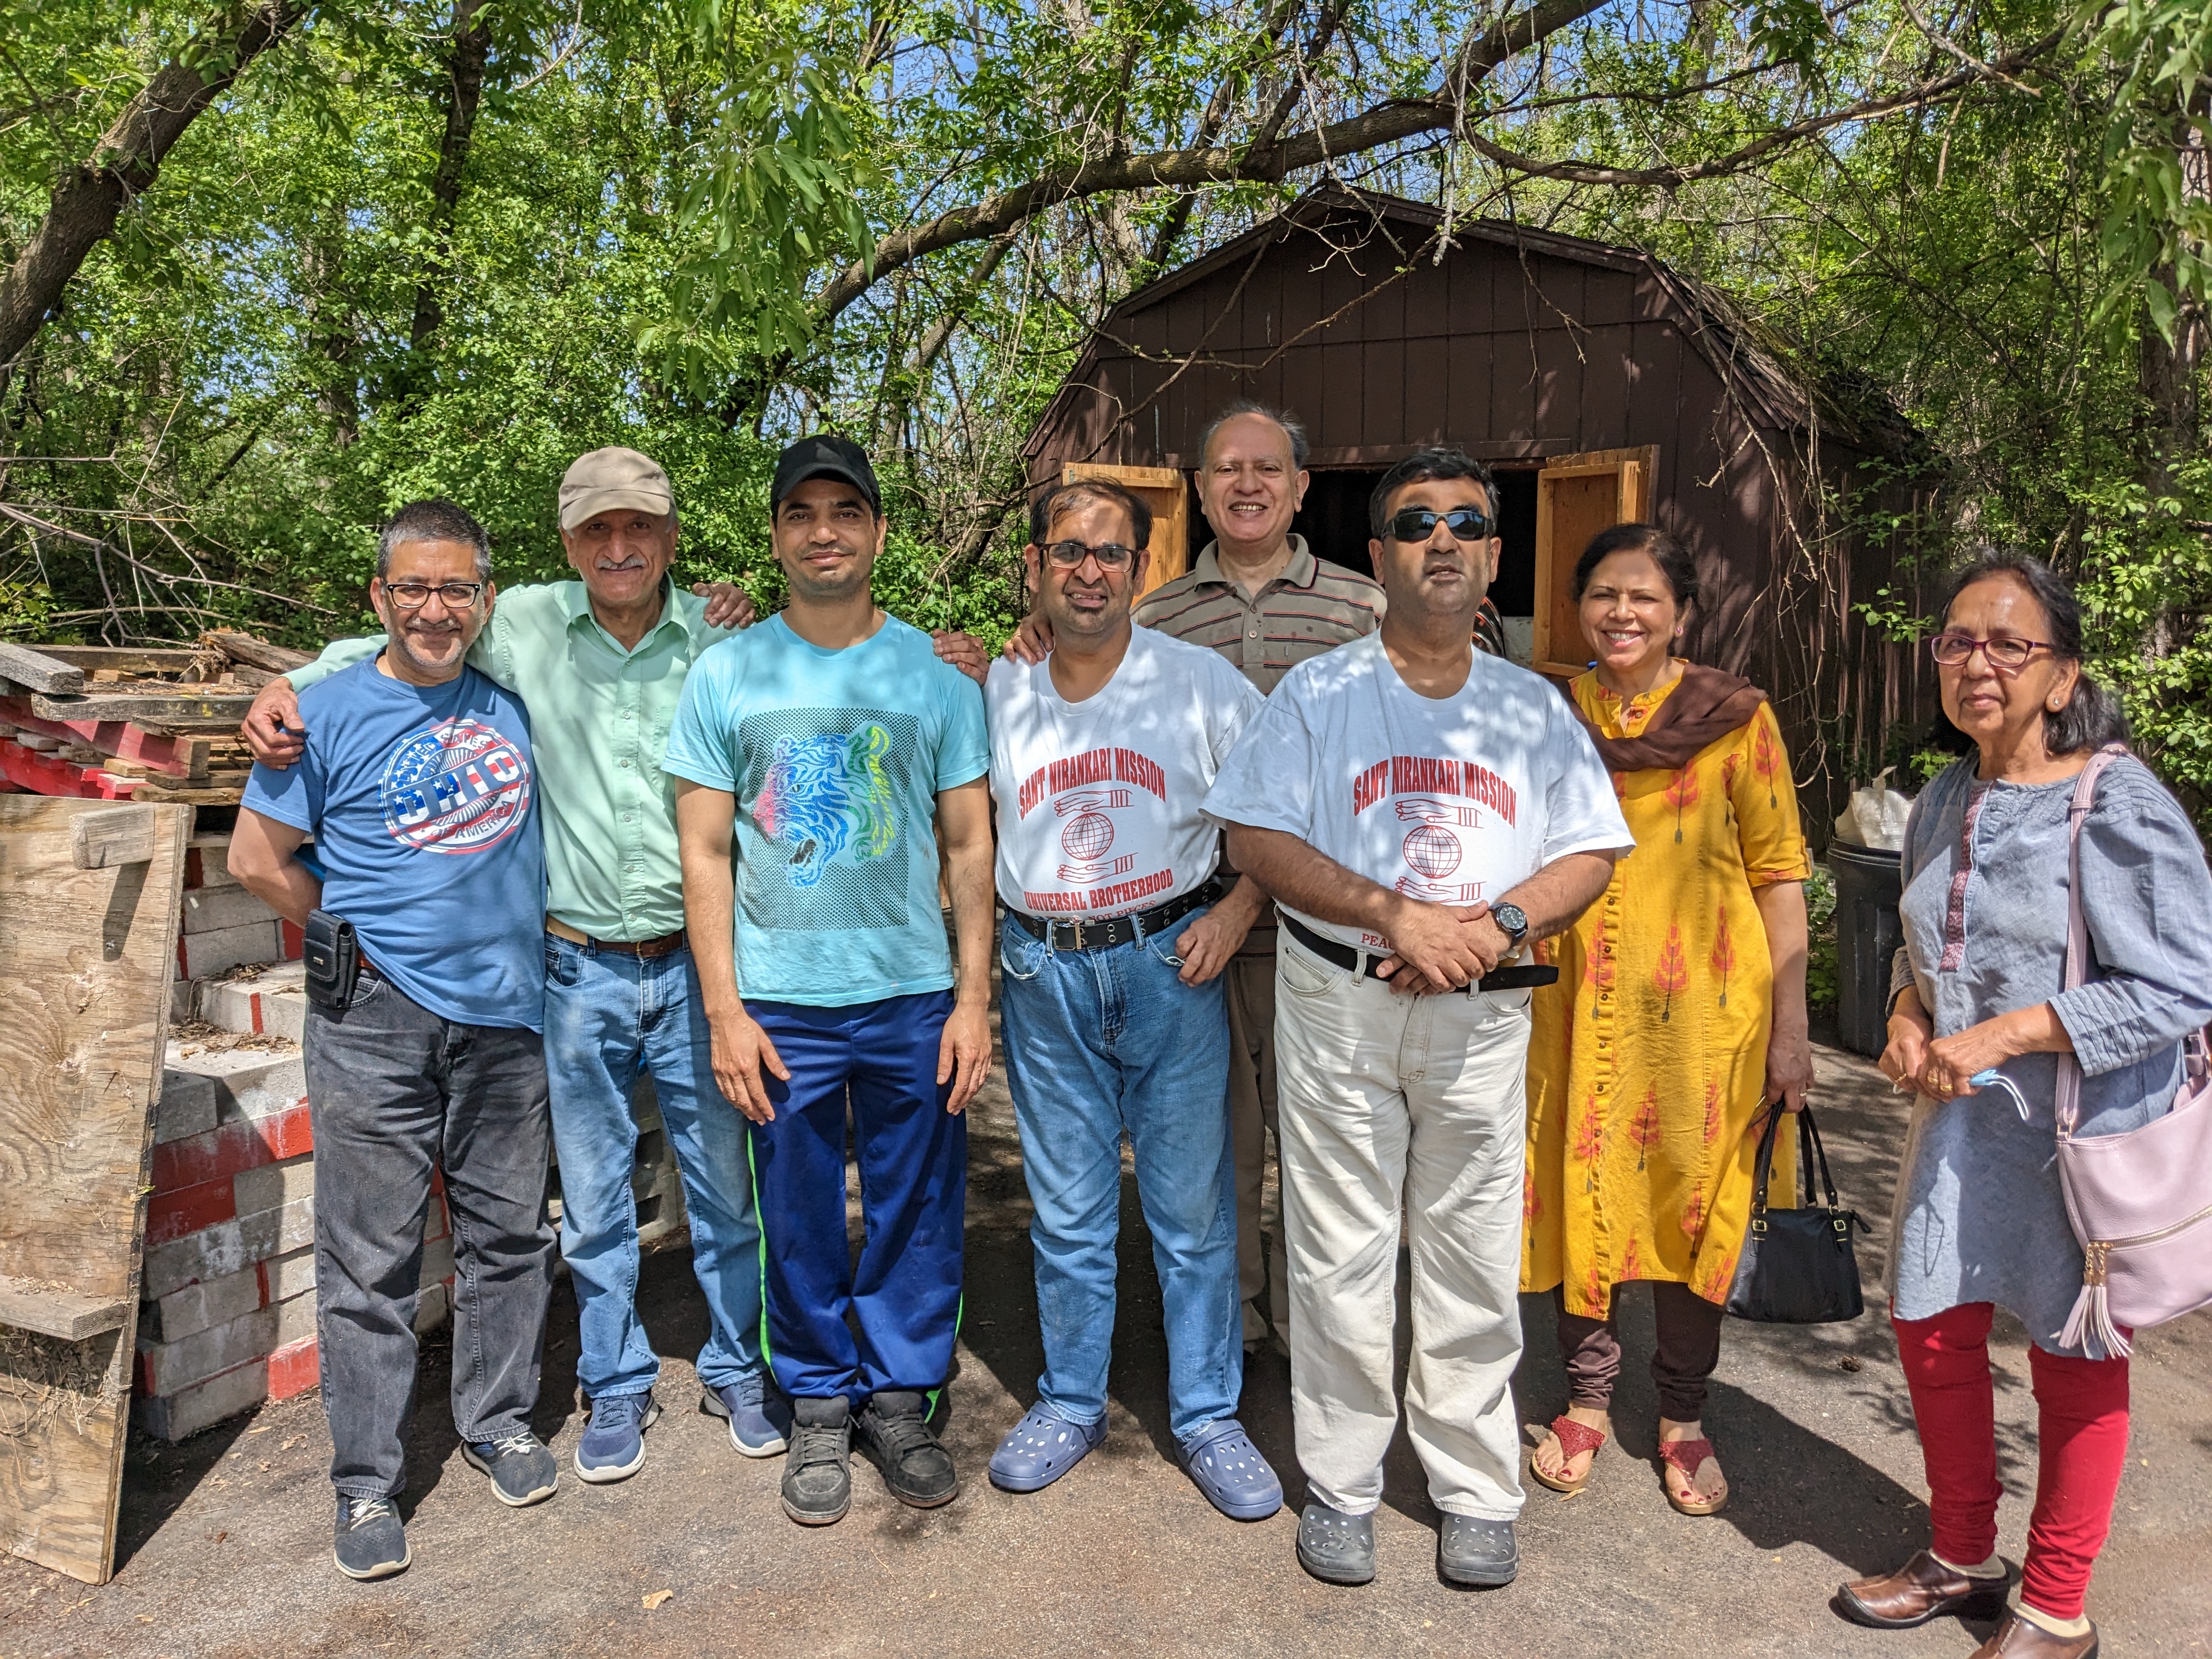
1298	573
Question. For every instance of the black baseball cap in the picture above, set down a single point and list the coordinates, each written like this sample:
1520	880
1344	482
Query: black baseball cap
824	456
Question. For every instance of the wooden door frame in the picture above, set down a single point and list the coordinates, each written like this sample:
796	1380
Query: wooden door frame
1635	468
1170	540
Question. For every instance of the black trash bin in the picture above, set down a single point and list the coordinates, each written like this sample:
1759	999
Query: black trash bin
1868	887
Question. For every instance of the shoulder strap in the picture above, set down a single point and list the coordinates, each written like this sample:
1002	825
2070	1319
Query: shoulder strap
2067	1107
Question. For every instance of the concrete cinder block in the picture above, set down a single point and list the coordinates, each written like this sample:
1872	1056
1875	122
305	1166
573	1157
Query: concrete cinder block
290	1274
170	1367
190	1105
435	1308
227	1247
212	909
437	1260
247	1083
274	1185
210	861
272	1003
197	1308
199	955
172	1417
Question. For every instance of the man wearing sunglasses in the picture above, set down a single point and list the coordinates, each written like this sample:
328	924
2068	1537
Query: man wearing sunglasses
1117	930
419	785
1420	810
600	662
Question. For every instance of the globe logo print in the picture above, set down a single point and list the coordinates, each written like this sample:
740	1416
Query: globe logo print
1086	838
1432	850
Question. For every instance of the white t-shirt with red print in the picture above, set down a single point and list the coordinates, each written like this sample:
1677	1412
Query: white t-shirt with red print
1452	800
1100	801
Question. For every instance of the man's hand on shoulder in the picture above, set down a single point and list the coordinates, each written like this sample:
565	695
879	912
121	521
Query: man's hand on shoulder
963	651
1032	641
272	729
728	606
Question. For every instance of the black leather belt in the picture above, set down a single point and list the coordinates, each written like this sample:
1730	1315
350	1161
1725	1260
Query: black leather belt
1119	930
1366	962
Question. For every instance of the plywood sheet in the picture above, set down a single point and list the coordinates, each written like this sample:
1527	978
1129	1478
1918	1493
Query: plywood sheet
86	957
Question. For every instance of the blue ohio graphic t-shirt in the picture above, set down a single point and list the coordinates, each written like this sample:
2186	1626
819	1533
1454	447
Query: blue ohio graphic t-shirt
836	758
422	800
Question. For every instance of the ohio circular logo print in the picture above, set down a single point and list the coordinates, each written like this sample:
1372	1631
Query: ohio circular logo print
1086	838
1432	850
458	787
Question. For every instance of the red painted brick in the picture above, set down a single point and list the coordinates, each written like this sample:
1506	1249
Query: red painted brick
293	1369
288	1134
172	1215
222	1153
296	942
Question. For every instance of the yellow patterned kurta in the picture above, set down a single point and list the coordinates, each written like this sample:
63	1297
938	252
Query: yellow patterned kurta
1649	1057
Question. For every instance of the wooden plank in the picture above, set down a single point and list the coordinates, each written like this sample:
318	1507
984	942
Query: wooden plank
38	670
1163	490
256	653
50	775
195	796
112	837
170	704
180	757
57	1310
86	957
125	658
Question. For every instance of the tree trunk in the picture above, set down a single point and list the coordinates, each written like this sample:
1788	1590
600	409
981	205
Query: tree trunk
88	198
465	76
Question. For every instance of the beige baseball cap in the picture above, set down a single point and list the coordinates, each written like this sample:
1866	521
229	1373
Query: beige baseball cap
609	479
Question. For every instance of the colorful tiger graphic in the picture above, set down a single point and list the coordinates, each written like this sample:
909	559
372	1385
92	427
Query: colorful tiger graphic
824	795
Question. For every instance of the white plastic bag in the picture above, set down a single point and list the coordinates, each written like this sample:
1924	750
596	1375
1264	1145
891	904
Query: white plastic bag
1875	816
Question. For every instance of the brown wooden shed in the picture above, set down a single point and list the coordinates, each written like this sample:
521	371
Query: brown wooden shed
1600	383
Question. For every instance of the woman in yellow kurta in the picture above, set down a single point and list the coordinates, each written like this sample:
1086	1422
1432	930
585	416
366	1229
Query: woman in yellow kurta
1679	1013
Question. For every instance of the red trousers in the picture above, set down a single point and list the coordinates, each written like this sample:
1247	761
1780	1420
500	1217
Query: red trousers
2081	1437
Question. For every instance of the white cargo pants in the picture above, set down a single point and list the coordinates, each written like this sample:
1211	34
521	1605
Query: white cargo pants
1392	1101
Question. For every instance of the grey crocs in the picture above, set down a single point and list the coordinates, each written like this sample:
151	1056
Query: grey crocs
1335	1547
1476	1553
1041	1448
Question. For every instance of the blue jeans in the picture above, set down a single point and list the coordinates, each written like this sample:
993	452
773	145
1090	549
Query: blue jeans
608	1016
879	1061
1097	1042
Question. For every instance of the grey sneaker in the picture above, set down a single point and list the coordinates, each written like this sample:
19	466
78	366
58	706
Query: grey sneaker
522	1471
370	1543
817	1470
897	1439
1479	1554
1335	1547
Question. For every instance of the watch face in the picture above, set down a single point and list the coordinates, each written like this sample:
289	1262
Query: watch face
1511	918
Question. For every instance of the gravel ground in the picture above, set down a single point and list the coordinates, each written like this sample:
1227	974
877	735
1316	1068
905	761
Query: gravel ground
226	1542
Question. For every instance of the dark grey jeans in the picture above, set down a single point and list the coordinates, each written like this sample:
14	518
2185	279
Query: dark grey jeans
396	1092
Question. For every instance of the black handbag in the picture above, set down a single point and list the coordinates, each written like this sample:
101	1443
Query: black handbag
1798	1267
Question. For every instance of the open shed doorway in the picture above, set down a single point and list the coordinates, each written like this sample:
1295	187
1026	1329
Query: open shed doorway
1334	520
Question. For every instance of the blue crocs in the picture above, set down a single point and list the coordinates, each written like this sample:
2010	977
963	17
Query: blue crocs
1224	1464
612	1447
1041	1448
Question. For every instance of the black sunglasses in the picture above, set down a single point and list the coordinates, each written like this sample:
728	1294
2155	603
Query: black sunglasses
1417	524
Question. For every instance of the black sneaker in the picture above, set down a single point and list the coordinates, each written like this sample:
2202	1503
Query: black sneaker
370	1543
895	1437
817	1469
522	1471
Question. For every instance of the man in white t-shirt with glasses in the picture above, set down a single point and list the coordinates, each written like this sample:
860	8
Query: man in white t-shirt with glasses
1419	810
1116	933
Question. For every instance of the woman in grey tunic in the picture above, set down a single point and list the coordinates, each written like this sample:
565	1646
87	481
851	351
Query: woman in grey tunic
1980	1221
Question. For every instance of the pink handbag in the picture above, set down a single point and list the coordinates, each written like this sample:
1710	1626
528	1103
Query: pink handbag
2141	1203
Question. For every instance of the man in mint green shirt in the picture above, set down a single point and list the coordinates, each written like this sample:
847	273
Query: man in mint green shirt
600	664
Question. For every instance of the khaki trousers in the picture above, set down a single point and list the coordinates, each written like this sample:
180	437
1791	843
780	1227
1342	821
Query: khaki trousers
1251	1120
1393	1104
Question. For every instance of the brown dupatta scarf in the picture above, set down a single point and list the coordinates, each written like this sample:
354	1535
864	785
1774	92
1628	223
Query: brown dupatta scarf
1706	705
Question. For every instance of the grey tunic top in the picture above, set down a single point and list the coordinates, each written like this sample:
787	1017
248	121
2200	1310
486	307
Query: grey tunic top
1979	1215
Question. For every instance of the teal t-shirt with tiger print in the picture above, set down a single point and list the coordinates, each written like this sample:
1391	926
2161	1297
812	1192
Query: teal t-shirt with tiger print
836	758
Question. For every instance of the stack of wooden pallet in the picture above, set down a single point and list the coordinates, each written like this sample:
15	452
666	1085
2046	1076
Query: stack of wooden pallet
123	723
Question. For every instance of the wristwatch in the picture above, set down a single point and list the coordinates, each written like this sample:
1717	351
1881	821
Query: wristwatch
1512	921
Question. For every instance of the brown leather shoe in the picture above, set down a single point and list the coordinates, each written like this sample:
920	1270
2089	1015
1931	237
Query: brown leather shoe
2020	1639
1922	1589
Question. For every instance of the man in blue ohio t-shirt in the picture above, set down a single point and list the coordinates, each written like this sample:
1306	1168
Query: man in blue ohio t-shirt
828	737
418	786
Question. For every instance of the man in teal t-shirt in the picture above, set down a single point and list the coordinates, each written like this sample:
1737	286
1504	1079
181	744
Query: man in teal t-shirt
827	739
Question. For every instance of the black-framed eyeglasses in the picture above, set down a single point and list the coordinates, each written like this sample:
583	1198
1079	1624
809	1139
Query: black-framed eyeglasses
413	595
1417	524
2007	653
1070	555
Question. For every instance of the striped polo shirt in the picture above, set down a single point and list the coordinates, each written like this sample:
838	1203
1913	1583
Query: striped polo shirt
1312	607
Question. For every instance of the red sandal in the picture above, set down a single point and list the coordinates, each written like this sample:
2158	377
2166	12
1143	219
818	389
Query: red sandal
1688	1456
1575	1439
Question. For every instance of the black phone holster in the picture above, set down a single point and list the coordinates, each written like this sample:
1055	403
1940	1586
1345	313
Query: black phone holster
332	958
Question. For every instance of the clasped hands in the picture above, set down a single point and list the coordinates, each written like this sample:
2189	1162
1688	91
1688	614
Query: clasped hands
1441	947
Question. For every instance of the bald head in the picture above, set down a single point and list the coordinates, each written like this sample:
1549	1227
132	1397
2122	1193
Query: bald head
1251	477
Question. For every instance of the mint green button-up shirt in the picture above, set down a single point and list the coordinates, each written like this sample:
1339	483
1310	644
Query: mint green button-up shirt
600	718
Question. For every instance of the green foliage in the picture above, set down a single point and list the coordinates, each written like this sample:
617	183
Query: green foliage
1823	978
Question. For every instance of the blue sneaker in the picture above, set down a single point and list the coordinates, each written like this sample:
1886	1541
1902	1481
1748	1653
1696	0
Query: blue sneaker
759	1416
1041	1448
613	1443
